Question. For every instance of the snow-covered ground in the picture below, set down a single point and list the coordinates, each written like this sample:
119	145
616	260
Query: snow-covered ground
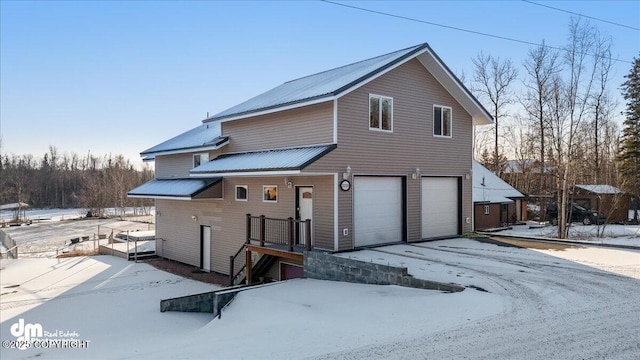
614	234
559	303
46	239
69	214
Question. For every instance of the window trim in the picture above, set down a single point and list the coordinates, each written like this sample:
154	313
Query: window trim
264	192
433	116
486	209
380	98
193	159
246	188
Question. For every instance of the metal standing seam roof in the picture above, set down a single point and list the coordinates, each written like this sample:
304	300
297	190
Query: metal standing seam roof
323	84
176	188
206	135
601	189
267	160
489	188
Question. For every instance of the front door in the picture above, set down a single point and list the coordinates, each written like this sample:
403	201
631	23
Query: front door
205	247
504	214
304	211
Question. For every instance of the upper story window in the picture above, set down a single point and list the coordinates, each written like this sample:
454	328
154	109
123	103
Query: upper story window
199	159
442	120
242	192
380	113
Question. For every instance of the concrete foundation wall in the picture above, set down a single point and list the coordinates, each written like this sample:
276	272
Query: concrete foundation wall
325	266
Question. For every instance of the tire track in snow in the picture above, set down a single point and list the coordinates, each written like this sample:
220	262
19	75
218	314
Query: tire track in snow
597	317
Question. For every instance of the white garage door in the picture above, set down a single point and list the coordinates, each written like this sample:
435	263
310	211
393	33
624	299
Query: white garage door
440	203
377	205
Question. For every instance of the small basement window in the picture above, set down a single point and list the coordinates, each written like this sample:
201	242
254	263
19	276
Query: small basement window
242	192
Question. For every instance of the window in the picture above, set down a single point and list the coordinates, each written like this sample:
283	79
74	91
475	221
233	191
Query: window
441	121
269	193
199	159
242	192
486	209
380	113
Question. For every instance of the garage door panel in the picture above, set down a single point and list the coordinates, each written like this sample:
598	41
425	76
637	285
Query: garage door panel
378	206
440	204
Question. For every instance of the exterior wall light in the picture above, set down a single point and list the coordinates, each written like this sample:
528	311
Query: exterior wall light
345	175
416	174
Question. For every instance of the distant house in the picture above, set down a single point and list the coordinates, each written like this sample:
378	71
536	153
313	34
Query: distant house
614	202
371	153
527	176
495	203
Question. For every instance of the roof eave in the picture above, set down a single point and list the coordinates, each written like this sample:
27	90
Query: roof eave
328	96
274	172
432	62
184	150
273	109
162	197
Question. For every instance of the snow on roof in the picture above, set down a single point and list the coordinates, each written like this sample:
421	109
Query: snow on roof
525	165
173	188
488	187
325	85
601	189
203	137
14	206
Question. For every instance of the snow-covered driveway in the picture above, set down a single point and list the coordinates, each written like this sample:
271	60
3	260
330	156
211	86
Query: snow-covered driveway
557	309
560	303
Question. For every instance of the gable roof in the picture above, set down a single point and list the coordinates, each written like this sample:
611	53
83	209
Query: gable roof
203	137
489	188
331	84
526	165
601	189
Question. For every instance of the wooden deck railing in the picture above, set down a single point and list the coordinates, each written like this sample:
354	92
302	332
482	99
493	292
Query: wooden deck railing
237	266
289	232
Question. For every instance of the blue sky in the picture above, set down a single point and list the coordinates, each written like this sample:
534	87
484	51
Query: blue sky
120	77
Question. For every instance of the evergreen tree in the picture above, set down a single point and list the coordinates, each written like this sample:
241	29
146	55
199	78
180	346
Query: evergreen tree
629	155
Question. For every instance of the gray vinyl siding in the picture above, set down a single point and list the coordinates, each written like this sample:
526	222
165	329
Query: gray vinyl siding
178	165
227	218
173	166
214	192
179	234
411	145
308	125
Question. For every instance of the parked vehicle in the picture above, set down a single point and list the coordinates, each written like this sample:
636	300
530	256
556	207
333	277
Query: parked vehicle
576	213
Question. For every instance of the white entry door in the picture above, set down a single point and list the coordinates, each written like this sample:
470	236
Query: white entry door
377	210
304	210
205	245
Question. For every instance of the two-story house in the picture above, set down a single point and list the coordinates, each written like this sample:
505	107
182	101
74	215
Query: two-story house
375	152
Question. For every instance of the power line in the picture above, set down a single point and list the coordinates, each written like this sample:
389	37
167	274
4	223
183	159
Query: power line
578	14
463	30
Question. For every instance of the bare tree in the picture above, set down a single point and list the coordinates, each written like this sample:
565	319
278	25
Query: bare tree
601	98
541	65
493	78
571	104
